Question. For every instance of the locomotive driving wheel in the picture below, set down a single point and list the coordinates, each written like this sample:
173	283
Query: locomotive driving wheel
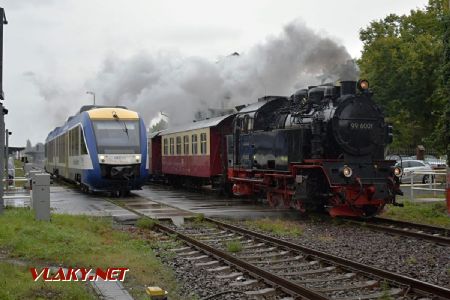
273	199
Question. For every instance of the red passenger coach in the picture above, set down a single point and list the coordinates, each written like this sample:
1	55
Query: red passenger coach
193	154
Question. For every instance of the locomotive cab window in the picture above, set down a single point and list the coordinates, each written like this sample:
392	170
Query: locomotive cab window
194	144
203	143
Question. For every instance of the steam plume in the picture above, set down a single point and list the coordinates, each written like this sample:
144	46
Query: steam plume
181	86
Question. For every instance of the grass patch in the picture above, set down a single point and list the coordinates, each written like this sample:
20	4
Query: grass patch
234	246
199	218
16	283
146	223
425	213
276	226
82	241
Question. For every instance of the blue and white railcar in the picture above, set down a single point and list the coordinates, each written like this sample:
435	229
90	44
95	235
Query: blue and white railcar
100	148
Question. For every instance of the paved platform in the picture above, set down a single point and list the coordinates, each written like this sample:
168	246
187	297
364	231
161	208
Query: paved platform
210	204
72	201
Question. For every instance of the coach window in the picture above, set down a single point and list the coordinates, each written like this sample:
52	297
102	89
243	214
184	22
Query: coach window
203	143
171	146
186	144
194	144
179	145
166	147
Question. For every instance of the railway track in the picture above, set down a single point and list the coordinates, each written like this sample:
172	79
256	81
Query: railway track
278	269
426	232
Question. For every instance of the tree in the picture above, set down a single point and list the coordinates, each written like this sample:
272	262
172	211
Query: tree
403	59
161	125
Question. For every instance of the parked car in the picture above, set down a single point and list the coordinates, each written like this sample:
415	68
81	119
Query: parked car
435	162
410	166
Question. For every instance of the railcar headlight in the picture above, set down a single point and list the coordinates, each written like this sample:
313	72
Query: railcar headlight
398	171
363	85
102	158
347	171
137	158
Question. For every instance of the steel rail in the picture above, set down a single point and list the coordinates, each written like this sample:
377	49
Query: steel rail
416	285
443	231
377	224
272	279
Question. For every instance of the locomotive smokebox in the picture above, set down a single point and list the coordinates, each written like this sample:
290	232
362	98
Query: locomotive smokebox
348	87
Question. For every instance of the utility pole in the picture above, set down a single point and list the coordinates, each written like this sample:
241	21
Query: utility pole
3	110
447	87
91	93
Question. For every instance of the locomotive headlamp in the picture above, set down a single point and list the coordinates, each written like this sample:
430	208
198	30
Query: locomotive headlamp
102	158
137	157
363	85
347	171
398	171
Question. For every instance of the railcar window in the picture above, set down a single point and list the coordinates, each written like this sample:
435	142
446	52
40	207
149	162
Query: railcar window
117	136
194	144
61	148
171	146
77	141
179	145
83	148
203	143
70	142
166	146
186	144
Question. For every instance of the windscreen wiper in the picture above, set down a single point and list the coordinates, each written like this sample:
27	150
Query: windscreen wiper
125	129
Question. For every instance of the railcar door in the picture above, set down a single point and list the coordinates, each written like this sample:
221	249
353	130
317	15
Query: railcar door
66	155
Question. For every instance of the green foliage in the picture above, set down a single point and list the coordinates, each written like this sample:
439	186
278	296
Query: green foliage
199	218
234	246
161	125
146	223
425	213
82	241
16	283
403	58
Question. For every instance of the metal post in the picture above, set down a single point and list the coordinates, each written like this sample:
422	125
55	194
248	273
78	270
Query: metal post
3	111
412	185
7	158
2	157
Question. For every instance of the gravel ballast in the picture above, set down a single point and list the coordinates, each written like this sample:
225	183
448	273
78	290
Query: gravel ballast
412	257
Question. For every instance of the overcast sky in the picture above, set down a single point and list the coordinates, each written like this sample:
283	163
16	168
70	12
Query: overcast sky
57	48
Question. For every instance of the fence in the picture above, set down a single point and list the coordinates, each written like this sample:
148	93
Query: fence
434	185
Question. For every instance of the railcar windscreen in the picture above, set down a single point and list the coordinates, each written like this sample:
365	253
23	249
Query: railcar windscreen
117	137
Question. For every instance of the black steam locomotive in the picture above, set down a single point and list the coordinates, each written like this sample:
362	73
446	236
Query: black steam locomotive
320	149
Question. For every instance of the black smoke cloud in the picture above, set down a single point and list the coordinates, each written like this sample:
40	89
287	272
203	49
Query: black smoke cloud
181	86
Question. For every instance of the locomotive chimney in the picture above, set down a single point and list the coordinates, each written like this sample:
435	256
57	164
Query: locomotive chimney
348	87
